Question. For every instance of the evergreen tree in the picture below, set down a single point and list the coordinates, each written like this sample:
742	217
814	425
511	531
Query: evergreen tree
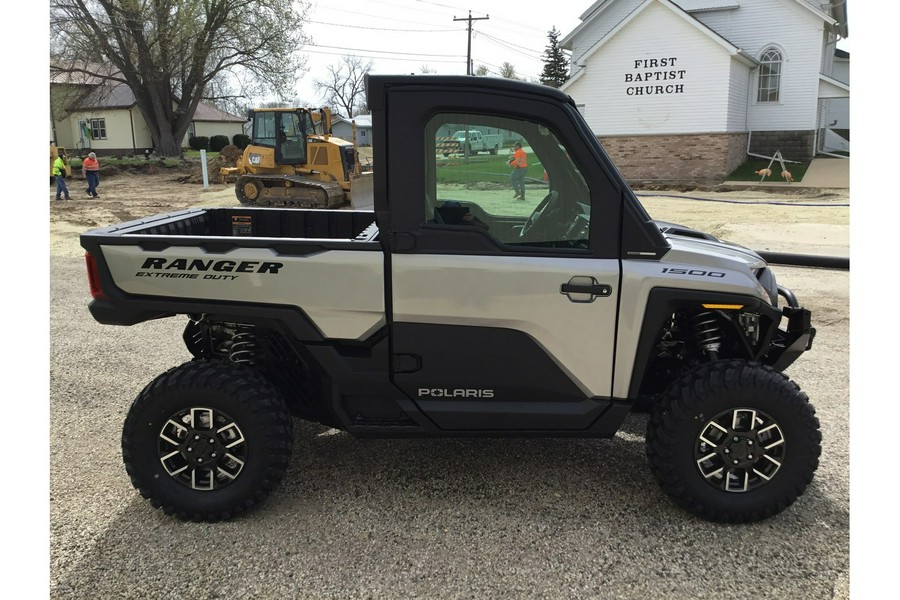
556	65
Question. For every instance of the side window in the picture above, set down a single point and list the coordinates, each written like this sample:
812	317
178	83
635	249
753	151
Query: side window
98	129
511	178
264	129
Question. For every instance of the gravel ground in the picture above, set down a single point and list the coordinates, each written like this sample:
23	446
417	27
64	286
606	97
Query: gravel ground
419	518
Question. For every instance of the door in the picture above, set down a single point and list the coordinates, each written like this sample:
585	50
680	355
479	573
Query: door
504	296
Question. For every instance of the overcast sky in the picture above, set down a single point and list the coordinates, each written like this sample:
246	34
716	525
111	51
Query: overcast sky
403	36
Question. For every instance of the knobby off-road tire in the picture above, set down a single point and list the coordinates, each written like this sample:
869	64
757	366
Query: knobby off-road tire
734	441
206	441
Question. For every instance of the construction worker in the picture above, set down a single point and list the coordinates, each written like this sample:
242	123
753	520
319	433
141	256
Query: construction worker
90	168
59	171
519	164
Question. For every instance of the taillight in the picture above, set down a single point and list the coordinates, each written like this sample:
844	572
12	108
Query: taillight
94	277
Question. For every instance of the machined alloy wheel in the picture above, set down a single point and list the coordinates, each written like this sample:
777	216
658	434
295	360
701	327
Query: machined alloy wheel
207	440
740	450
734	441
202	448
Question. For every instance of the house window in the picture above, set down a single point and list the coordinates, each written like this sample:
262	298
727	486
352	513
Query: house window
192	131
98	129
769	75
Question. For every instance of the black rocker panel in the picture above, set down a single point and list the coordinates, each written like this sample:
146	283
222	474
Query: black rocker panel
479	378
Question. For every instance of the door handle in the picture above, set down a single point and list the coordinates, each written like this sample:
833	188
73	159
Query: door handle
582	289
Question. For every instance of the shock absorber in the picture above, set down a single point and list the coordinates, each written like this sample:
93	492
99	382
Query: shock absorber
708	333
243	348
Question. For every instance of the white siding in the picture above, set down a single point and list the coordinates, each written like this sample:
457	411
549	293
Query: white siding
702	67
118	128
611	16
738	90
211	128
719	21
800	35
836	113
837	110
841	70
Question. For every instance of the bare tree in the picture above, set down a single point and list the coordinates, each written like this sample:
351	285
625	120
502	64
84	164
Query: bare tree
481	71
426	70
508	71
173	53
345	86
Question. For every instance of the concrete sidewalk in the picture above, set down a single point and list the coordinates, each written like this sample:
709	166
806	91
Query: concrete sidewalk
822	173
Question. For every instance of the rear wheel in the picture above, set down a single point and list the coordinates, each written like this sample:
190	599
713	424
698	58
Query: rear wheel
207	441
734	441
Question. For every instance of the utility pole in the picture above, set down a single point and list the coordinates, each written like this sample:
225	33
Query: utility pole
469	52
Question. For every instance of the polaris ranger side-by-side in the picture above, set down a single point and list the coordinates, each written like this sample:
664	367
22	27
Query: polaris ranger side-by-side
454	309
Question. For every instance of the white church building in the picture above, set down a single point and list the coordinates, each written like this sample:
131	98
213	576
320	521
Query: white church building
686	89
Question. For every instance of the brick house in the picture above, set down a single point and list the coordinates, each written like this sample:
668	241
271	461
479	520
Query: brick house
685	89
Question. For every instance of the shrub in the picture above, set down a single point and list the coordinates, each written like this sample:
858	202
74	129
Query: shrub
240	140
198	142
217	142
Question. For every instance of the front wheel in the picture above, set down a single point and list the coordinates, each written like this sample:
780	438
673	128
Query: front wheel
734	441
248	190
206	441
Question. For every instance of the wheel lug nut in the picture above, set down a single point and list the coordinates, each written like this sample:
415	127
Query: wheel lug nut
749	442
197	437
735	462
727	451
750	456
199	460
213	454
190	449
737	439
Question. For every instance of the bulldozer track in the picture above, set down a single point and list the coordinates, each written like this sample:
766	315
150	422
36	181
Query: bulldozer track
290	191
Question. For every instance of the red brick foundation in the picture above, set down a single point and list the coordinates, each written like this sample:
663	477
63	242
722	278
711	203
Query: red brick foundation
699	158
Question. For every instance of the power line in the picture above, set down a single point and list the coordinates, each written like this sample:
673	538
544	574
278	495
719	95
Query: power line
469	53
389	52
386	28
504	42
437	4
364	55
383	18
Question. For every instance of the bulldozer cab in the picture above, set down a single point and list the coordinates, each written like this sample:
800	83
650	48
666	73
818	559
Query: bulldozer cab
285	131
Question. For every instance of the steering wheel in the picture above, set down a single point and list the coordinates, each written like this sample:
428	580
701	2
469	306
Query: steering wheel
546	206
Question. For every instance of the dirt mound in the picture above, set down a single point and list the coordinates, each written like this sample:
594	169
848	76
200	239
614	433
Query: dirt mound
227	157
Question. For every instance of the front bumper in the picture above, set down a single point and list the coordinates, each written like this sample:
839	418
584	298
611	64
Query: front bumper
789	343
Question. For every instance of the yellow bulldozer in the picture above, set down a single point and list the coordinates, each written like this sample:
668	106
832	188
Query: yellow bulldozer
294	160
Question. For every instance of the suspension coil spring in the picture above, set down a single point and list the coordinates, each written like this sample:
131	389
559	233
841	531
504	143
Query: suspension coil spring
243	348
707	331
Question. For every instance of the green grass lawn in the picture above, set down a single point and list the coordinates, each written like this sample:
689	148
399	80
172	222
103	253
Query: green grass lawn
128	162
196	154
482	168
747	171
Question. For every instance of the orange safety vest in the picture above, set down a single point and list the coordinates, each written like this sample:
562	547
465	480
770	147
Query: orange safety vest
518	160
90	164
